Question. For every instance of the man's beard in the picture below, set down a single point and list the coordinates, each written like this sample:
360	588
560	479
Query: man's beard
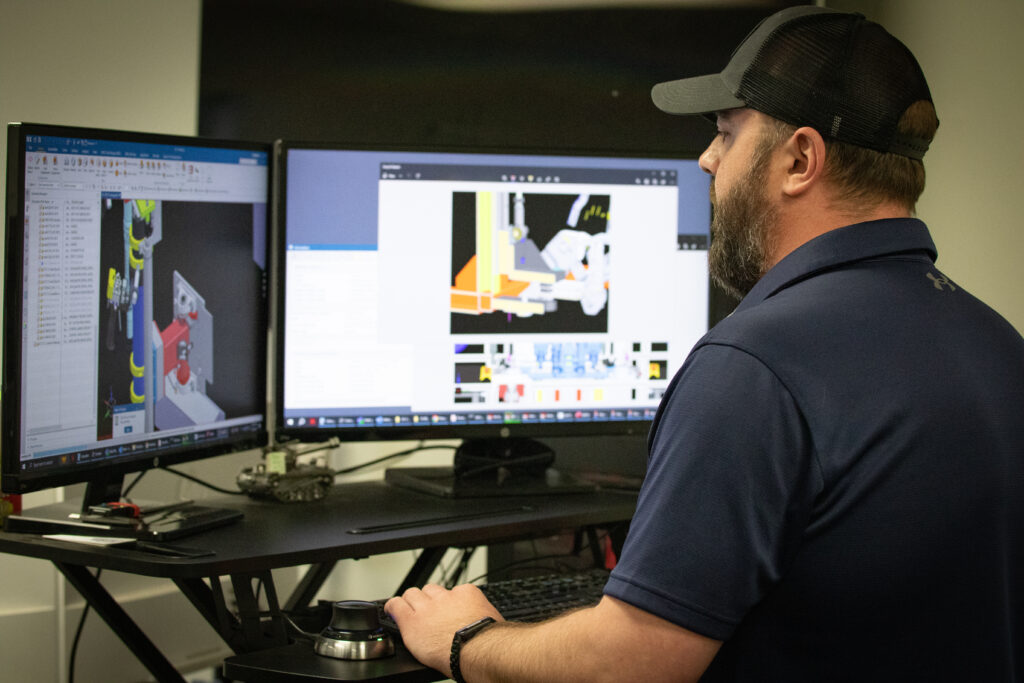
743	229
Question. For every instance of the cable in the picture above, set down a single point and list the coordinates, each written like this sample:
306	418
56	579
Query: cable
333	442
410	451
298	631
528	562
451	576
130	486
199	481
78	631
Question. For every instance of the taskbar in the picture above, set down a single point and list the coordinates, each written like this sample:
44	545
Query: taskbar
473	419
155	446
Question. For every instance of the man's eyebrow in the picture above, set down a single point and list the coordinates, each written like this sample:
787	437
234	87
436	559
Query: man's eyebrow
725	115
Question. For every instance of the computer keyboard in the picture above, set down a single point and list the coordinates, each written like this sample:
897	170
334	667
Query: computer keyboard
535	598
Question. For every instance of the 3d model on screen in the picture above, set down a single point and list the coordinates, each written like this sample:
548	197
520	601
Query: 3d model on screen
509	274
169	369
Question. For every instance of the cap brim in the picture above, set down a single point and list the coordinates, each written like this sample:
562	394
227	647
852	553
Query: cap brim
697	95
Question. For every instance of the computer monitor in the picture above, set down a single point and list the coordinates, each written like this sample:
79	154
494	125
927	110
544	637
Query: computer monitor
135	331
497	296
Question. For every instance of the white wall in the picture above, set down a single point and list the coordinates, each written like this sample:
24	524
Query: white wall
974	197
108	64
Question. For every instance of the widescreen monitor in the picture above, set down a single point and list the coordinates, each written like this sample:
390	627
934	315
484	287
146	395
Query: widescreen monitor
487	295
135	304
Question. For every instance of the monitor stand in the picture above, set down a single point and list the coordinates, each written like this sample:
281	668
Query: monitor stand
486	468
101	514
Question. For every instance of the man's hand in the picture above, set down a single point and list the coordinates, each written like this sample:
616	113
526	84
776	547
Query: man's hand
429	617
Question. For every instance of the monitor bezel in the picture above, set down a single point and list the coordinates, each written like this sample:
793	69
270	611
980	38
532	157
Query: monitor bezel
283	433
12	478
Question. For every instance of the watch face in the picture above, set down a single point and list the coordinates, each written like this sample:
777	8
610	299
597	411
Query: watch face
467	632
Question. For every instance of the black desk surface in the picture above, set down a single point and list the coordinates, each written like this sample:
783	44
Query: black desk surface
273	535
297	663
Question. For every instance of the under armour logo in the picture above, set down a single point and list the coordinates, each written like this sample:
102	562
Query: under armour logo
941	281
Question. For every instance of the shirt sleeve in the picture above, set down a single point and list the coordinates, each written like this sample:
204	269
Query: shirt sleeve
730	483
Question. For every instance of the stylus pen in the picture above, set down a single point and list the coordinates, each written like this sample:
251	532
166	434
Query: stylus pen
412	524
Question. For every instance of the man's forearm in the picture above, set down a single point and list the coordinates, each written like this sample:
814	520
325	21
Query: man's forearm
511	651
613	642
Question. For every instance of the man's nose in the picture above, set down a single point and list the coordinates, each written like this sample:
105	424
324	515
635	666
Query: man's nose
709	160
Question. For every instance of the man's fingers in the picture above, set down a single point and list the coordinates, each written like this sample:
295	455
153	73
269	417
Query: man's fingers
411	598
405	604
397	607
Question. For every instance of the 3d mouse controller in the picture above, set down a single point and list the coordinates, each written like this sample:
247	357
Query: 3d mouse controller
354	633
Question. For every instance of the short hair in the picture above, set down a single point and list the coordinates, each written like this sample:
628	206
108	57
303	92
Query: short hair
864	178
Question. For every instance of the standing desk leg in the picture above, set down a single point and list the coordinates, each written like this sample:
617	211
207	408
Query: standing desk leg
277	632
311	582
460	569
120	623
248	631
421	570
209	602
254	637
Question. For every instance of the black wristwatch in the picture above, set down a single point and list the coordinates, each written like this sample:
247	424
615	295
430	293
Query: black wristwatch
460	639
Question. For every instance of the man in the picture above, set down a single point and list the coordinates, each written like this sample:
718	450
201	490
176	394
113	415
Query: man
835	489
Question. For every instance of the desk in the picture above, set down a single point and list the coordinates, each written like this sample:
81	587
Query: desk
319	534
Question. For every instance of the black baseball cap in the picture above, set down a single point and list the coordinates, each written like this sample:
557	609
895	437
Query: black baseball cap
836	72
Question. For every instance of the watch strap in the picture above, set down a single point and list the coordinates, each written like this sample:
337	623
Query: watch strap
461	637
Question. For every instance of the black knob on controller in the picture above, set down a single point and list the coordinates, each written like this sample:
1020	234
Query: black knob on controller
354	615
354	633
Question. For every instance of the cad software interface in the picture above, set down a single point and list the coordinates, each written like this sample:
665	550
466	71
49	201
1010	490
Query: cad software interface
142	295
488	289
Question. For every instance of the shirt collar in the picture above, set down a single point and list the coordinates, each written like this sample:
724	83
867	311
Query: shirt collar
857	242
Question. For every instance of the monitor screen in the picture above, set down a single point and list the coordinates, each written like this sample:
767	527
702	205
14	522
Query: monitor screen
134	302
474	294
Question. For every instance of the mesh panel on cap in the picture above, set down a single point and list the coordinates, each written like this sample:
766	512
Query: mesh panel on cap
838	74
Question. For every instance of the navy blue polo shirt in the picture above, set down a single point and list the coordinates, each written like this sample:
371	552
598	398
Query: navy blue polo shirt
835	484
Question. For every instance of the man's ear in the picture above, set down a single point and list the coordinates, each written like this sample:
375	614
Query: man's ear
805	158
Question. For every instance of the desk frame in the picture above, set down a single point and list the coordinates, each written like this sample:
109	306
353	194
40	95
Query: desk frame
319	534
